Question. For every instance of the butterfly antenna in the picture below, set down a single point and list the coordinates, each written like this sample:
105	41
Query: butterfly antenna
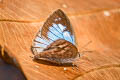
83	52
85	45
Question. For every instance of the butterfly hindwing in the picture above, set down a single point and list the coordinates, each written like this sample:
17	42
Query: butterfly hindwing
56	27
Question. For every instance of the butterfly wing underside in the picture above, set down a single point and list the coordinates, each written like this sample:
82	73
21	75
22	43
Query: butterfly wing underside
56	27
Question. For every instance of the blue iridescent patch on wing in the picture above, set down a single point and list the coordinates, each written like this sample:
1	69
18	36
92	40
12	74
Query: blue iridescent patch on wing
62	28
58	31
73	39
41	40
40	43
67	36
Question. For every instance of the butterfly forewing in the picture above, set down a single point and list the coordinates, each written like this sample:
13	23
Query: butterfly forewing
56	27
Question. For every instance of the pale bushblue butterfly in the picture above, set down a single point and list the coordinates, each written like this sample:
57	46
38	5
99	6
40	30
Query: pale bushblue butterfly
55	42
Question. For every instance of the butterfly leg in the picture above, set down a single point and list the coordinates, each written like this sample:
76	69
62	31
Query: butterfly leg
87	51
74	66
79	54
31	57
35	57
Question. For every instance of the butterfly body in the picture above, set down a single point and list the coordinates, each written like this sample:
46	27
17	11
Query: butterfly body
55	42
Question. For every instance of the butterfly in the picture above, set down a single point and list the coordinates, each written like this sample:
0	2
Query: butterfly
55	41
